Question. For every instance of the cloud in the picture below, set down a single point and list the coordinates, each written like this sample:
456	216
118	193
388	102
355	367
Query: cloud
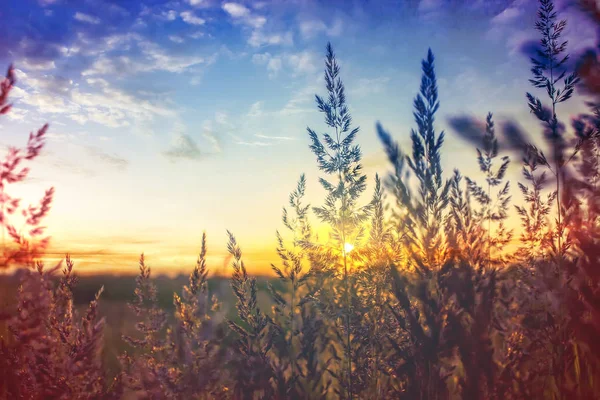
313	27
277	138
256	110
430	9
170	15
152	57
43	65
61	137
507	15
366	86
196	3
67	165
303	62
17	114
236	10
213	139
89	19
48	93
112	160
34	54
101	103
259	38
300	63
196	35
184	147
243	15
115	108
222	118
190	18
254	143
296	104
273	64
176	39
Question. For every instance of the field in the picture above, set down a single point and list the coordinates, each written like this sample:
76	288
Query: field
118	293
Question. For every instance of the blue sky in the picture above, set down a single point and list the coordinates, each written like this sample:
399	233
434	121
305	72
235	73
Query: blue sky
170	118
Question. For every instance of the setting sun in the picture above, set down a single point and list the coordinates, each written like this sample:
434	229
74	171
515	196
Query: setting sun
348	247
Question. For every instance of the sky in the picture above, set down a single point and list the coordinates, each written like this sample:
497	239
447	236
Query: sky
171	118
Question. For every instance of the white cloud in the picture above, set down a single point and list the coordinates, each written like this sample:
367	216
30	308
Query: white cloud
236	10
101	103
196	3
81	17
48	103
47	93
255	143
37	66
278	138
243	15
222	118
302	63
59	137
154	58
261	58
170	15
256	110
196	35
16	114
273	63
312	28
115	108
299	63
259	38
208	132
508	15
299	101
366	86
190	18
176	39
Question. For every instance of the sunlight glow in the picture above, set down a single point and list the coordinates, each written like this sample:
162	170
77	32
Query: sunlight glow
348	248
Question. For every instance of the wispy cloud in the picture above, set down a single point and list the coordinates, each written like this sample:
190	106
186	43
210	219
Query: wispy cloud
278	138
112	160
259	38
176	39
299	101
184	148
253	143
81	17
309	28
366	86
301	63
152	57
256	110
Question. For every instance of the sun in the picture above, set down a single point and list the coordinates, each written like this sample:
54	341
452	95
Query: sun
348	248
